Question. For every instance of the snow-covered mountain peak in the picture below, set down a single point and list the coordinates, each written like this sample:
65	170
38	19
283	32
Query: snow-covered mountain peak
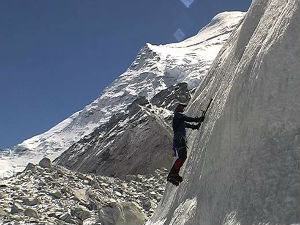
199	50
221	24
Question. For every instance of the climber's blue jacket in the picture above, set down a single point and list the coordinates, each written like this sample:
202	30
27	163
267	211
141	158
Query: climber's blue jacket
179	124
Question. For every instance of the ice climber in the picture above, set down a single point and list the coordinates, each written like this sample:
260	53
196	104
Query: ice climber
179	123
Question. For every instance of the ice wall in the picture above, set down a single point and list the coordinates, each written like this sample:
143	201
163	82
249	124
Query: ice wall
243	166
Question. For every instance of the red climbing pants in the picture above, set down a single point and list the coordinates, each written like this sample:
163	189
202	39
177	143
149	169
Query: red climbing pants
182	155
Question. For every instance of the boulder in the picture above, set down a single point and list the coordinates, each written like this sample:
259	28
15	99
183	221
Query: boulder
16	208
45	163
80	195
81	213
2	195
3	186
67	218
30	201
2	212
67	191
146	204
31	213
125	213
56	194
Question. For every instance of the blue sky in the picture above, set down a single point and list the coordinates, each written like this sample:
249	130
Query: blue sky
56	56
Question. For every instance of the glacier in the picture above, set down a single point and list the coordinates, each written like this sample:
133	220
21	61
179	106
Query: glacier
154	69
243	166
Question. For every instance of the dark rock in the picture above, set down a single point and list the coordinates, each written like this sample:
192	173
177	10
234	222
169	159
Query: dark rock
56	194
67	218
45	163
31	167
16	208
80	213
3	186
31	213
30	201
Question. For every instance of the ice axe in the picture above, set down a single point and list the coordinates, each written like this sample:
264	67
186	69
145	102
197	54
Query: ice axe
204	113
207	107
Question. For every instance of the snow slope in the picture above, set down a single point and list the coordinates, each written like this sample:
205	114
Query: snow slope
154	69
243	167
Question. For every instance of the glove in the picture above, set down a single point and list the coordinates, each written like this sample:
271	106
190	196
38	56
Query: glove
200	119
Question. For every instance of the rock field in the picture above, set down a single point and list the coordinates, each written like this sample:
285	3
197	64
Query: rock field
51	194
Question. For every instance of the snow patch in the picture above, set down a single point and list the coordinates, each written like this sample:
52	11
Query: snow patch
230	219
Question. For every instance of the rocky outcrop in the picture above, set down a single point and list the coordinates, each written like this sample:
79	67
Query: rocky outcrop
45	163
42	195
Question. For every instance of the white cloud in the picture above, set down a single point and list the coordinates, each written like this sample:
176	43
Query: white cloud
187	3
179	34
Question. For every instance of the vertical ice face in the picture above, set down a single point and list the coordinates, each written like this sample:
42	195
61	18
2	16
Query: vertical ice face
243	166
